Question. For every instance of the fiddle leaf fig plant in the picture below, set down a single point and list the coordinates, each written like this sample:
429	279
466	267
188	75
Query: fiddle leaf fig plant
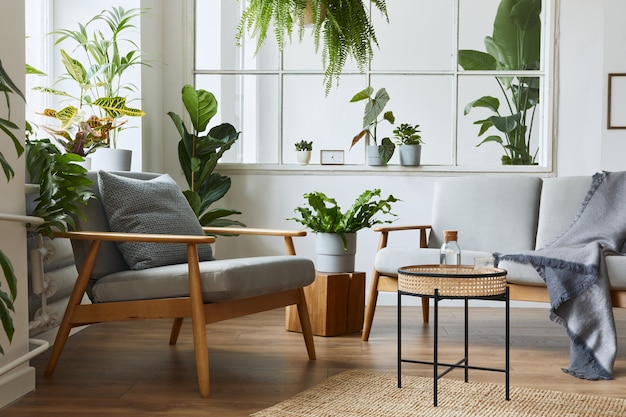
199	153
323	214
515	45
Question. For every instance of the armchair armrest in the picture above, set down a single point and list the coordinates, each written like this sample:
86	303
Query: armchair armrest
135	237
253	231
385	230
288	235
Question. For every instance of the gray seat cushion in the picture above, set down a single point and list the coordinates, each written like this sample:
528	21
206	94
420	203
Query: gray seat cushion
222	280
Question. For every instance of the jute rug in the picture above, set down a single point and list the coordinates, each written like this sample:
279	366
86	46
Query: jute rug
361	393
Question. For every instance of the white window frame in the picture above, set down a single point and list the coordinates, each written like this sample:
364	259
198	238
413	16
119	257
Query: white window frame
549	98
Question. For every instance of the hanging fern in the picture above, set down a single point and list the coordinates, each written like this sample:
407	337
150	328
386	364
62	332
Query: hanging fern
342	27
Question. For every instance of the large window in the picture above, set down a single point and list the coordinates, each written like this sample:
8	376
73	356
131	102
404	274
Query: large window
277	99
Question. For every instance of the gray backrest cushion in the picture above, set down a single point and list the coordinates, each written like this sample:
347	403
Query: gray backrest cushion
491	213
150	206
561	198
109	258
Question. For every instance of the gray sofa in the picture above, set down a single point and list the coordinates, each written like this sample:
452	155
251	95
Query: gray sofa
506	214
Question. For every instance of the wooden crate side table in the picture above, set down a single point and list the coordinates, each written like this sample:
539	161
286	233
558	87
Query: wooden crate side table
336	303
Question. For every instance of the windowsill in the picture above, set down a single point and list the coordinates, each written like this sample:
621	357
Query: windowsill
422	170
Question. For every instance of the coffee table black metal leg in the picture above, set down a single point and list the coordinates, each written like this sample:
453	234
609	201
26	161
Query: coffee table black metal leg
399	341
435	347
466	359
507	331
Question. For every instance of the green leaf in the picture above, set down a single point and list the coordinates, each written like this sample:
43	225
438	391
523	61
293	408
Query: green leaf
493	138
507	123
116	107
74	68
363	95
201	106
375	106
484	125
476	60
386	150
388	116
488	102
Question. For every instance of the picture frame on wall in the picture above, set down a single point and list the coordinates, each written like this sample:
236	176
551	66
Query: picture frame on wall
616	108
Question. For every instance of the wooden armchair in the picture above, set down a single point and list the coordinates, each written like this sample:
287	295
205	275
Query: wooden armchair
207	291
389	282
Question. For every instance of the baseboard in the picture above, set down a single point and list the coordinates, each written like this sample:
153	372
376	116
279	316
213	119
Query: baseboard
15	384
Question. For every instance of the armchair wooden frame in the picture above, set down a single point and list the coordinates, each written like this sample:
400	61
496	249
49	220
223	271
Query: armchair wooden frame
201	313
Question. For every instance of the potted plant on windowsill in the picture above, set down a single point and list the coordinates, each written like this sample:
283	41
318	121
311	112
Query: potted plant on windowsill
100	82
376	154
343	27
303	151
409	144
336	230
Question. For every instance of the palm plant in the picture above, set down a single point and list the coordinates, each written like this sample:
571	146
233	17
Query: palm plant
100	80
198	155
342	27
515	45
7	88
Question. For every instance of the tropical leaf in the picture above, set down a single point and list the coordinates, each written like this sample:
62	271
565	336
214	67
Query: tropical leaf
201	106
116	107
476	60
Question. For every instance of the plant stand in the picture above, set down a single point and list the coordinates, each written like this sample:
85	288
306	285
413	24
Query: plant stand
336	303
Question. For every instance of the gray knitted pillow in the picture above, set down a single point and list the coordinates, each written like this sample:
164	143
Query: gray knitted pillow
150	206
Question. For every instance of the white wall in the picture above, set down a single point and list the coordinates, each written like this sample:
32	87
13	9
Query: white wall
21	380
613	146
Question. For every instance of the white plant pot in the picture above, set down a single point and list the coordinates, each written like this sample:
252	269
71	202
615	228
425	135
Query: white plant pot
410	155
111	159
373	157
304	157
87	163
330	254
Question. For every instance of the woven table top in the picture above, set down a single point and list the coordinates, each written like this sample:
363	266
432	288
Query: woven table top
452	280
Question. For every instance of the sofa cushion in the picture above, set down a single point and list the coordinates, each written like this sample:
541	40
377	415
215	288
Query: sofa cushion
150	206
491	213
109	258
228	279
561	198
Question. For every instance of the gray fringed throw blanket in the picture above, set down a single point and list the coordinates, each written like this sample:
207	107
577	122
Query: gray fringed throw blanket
574	270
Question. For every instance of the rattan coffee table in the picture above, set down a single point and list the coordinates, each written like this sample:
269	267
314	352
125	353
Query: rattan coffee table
452	282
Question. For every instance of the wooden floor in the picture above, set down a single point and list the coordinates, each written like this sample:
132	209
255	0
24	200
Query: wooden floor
128	369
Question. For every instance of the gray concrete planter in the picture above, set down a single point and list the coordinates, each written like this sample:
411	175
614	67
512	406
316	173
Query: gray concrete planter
330	254
410	155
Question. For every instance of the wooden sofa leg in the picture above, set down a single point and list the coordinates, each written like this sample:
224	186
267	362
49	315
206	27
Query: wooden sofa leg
425	309
370	307
176	326
305	324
